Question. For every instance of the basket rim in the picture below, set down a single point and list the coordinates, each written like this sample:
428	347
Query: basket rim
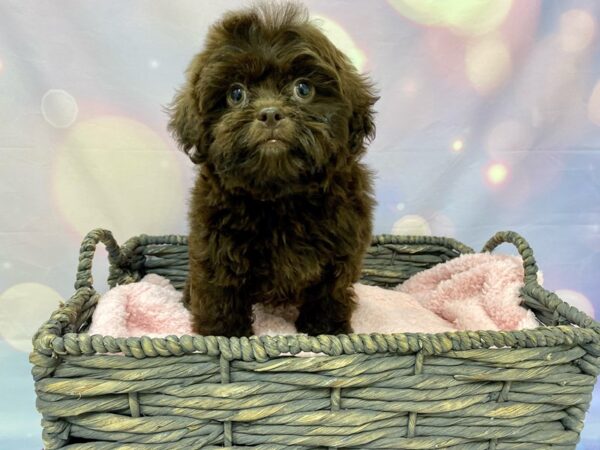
56	337
263	348
120	257
50	342
377	239
141	240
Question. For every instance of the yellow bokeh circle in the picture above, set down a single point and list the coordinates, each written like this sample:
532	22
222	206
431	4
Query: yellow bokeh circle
458	145
464	17
488	64
25	307
497	173
342	40
117	173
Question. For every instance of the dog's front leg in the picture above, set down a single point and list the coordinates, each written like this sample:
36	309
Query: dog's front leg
219	311
328	305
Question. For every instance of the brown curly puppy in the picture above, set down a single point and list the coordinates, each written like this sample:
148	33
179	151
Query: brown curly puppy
277	118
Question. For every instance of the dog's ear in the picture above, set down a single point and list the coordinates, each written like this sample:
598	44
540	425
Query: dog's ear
360	93
361	128
186	122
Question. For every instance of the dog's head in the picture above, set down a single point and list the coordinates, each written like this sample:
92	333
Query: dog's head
271	104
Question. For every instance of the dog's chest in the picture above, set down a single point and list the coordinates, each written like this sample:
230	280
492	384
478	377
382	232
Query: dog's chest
285	245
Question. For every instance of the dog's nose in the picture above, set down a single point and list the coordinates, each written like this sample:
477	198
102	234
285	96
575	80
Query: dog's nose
270	116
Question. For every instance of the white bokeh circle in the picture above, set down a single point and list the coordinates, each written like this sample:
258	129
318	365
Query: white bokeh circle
59	108
576	299
412	225
577	30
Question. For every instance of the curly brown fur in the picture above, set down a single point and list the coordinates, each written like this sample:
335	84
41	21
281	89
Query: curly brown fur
281	210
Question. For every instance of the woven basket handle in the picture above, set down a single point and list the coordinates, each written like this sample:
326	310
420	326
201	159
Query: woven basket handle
510	237
86	255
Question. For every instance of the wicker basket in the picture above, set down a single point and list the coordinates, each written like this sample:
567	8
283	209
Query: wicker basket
471	390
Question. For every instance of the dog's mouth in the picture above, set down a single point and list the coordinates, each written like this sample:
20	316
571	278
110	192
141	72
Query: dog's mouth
273	145
268	163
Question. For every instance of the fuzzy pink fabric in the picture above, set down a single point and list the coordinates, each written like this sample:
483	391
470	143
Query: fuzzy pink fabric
152	307
471	292
476	291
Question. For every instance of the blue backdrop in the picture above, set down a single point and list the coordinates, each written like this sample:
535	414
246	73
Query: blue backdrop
488	120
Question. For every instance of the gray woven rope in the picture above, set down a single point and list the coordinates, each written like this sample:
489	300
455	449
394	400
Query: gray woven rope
526	389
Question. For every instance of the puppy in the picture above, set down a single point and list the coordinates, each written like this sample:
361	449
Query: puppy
277	119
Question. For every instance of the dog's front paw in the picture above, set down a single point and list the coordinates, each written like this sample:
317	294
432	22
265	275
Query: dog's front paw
314	326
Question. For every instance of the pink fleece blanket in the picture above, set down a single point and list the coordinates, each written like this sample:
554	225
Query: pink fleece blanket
471	292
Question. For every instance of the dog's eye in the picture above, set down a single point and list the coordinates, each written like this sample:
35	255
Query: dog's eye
303	90
237	94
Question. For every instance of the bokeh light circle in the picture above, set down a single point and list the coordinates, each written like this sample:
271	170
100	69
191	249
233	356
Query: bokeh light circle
576	299
59	108
413	225
577	30
24	308
464	17
497	173
117	173
488	64
458	145
342	40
